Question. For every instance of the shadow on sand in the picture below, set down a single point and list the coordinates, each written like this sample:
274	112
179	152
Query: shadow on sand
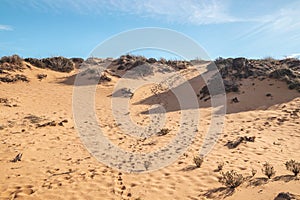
248	100
219	193
189	168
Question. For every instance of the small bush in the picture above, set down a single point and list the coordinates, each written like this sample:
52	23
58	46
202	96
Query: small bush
162	61
231	179
220	166
36	62
280	73
59	64
14	78
11	63
14	59
268	170
77	61
293	166
41	76
198	160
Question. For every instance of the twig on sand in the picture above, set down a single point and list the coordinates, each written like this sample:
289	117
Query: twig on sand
64	173
17	158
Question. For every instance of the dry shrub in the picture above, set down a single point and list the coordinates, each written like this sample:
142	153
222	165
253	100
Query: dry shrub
198	160
41	76
268	170
220	166
11	63
14	78
77	61
59	64
36	62
293	166
14	59
231	179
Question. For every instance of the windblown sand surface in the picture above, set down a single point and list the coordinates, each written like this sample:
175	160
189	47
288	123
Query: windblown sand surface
37	121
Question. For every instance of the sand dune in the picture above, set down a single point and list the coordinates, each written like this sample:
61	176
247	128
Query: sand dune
36	120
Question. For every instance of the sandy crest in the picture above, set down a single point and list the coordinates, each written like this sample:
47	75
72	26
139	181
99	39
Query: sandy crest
56	165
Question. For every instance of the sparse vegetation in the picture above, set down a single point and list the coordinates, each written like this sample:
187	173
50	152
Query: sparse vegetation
288	75
233	144
104	78
232	70
14	78
280	73
59	64
36	62
286	196
268	170
294	84
293	166
163	131
11	64
220	166
14	59
198	160
33	119
253	172
231	179
77	61
41	76
4	100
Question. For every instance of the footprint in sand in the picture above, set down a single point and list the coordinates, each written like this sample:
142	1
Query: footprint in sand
17	191
120	187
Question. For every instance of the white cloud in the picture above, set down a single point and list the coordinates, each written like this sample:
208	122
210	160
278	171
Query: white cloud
5	28
178	11
280	22
188	11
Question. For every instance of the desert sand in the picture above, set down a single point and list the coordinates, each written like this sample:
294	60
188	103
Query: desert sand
36	119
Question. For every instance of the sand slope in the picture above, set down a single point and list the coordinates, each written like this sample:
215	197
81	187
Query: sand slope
56	165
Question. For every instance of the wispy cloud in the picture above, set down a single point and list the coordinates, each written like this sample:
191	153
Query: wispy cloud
177	11
5	28
189	11
280	22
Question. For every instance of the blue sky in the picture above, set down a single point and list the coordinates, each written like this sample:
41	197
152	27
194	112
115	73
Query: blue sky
226	28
